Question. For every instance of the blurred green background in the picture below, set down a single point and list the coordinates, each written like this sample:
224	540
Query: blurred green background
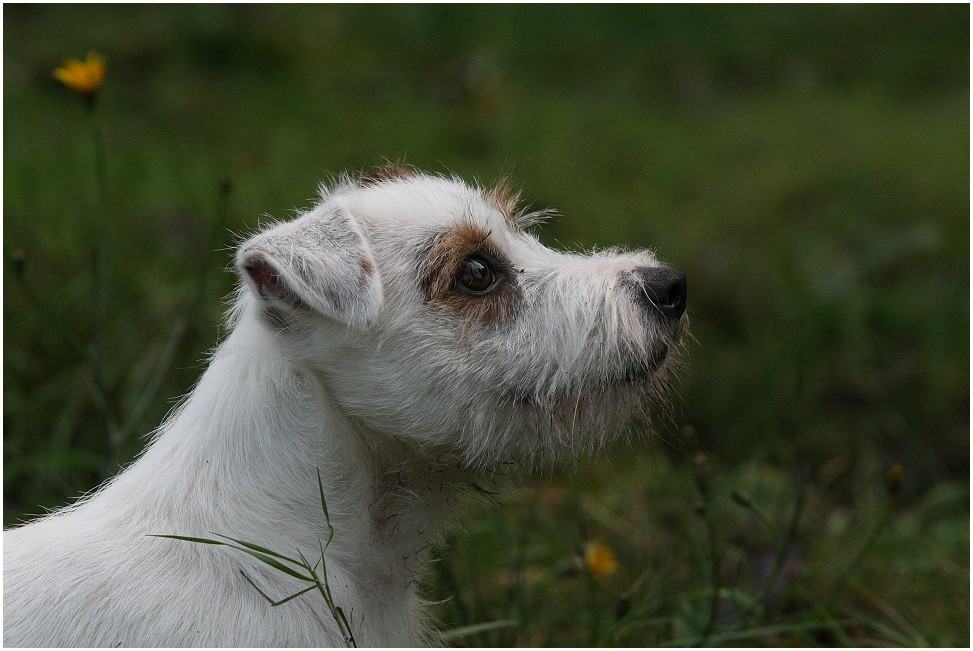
807	167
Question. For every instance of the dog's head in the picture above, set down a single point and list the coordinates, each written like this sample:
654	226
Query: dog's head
432	314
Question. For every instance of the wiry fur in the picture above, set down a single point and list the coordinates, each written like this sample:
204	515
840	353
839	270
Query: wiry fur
400	391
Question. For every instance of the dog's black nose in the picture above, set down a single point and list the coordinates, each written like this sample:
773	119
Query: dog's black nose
661	290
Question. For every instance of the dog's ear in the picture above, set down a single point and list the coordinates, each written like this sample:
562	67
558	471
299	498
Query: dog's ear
320	261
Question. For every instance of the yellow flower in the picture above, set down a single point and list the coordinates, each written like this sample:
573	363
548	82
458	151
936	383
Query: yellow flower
84	77
599	559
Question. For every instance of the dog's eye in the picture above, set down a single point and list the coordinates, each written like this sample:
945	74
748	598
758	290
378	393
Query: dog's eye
475	275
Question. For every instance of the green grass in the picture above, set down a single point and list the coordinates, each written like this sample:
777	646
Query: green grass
808	167
522	562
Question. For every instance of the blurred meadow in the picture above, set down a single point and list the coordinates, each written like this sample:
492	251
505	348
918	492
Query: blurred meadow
806	166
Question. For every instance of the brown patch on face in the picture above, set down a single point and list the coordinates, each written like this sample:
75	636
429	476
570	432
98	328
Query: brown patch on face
390	171
505	198
439	277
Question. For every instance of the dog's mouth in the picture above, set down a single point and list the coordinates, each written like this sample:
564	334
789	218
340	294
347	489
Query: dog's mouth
643	370
640	372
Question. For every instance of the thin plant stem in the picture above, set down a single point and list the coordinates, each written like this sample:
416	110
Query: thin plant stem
873	535
100	285
714	558
702	477
518	589
781	545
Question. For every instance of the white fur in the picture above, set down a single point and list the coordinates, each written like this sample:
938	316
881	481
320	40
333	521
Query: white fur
338	362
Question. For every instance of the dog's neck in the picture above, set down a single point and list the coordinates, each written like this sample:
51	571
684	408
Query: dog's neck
251	439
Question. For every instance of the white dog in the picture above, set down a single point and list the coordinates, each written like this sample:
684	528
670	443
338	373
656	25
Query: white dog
402	338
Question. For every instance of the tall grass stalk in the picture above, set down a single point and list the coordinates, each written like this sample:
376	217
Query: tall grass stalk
782	545
101	290
894	478
100	284
701	474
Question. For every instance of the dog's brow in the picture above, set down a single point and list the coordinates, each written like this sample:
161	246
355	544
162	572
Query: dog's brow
390	171
506	199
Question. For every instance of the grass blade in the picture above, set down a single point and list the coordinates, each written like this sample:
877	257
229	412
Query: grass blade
475	629
324	508
257	588
205	541
274	563
724	637
261	550
272	602
260	553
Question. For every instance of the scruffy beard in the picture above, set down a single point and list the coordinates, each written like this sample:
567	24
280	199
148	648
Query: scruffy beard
573	420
